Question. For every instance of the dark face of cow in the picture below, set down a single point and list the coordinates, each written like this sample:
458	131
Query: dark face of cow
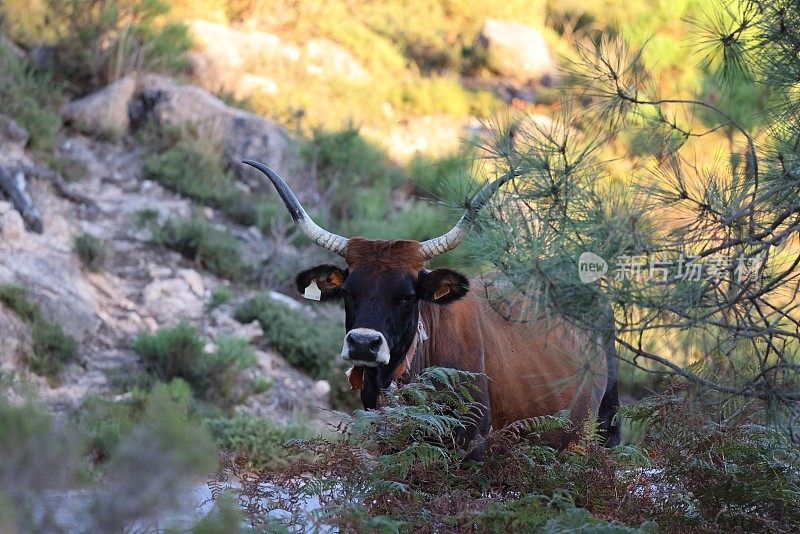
382	305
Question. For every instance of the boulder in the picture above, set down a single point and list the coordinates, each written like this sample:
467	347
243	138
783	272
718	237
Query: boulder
172	298
326	58
15	340
432	135
104	112
242	134
11	224
11	133
54	281
516	51
223	54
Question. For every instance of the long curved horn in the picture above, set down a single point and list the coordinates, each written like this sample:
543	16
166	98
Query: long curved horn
453	238
333	242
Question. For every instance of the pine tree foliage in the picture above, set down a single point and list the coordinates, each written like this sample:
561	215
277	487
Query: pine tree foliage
702	252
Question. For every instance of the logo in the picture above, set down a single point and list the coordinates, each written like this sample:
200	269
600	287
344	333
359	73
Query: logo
591	267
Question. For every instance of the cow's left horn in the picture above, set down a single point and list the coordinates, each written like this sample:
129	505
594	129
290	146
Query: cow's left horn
453	238
320	236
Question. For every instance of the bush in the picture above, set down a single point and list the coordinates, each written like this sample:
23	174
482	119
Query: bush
219	296
38	457
191	169
91	251
32	99
100	41
52	347
256	439
398	466
197	240
308	344
105	423
344	162
179	352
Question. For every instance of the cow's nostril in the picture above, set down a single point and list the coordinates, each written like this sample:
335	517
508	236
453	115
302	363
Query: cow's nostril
375	344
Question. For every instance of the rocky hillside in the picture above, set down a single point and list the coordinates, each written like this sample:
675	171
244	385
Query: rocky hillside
142	286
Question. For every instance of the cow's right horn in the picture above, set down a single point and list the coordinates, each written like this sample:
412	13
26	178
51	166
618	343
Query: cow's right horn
320	236
453	238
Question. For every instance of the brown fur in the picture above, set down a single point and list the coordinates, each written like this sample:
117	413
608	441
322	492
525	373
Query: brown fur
403	254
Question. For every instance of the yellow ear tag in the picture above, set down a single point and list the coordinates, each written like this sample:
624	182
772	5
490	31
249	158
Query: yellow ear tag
442	291
312	292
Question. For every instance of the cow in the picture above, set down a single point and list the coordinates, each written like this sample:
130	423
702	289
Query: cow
401	318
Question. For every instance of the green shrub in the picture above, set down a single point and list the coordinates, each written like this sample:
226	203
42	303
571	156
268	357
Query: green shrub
38	457
91	251
155	467
146	218
308	344
100	41
199	174
262	385
179	352
105	423
16	298
197	240
31	98
344	162
219	296
52	347
257	439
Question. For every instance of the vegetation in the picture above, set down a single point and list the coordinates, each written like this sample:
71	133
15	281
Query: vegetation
163	449
219	297
91	251
379	473
29	97
100	41
308	344
198	240
181	161
180	352
52	348
255	440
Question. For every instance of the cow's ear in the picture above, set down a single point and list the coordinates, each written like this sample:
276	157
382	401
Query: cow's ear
328	280
441	286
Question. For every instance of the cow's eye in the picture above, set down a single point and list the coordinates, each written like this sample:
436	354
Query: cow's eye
407	299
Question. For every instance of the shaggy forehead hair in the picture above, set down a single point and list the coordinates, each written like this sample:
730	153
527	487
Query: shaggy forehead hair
404	254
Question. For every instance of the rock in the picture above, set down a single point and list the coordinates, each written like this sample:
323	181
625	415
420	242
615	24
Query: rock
223	55
11	133
322	388
11	224
433	135
243	134
195	281
104	112
54	281
326	58
171	299
516	51
252	85
15	339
